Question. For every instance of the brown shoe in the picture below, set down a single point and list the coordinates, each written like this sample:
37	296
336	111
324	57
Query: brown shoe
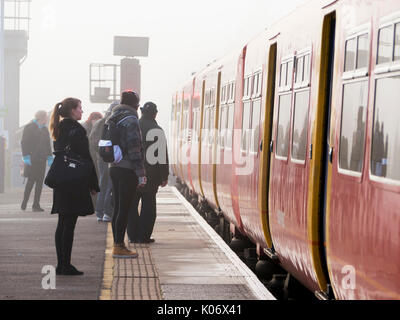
121	252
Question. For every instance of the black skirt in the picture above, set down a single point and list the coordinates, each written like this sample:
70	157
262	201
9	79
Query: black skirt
74	202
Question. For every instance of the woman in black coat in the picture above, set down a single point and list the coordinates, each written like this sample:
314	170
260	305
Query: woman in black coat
70	203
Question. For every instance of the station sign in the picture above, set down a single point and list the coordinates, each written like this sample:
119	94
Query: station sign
131	46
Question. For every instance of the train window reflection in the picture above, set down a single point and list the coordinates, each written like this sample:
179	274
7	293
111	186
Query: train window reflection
397	42
385	45
386	133
362	51
256	125
300	125
282	140
350	59
354	112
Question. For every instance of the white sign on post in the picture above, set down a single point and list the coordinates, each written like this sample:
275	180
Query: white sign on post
131	46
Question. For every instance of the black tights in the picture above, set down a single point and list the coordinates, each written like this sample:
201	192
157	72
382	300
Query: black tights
65	238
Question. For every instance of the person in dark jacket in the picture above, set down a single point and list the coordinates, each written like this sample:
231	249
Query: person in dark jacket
36	150
141	227
129	173
104	208
70	203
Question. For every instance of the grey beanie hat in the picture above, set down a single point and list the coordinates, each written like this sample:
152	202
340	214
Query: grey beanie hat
112	106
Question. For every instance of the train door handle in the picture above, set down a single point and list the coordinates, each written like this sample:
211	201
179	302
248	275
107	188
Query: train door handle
271	146
261	145
311	151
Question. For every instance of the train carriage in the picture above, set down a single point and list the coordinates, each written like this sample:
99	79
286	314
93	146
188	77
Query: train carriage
315	115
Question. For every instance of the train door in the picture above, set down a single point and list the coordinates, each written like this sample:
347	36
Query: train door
266	143
320	153
201	136
216	130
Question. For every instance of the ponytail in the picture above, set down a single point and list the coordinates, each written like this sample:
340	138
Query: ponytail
62	109
55	122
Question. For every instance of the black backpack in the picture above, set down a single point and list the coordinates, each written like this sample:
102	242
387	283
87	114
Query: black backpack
109	144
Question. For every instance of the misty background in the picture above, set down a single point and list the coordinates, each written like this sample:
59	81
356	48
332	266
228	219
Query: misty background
66	36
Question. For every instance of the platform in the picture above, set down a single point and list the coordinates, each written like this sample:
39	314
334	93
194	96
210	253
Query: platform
188	261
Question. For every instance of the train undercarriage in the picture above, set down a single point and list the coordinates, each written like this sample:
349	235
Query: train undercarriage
276	279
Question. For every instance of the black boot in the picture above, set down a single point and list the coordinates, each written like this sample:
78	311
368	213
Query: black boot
23	205
71	271
59	270
37	209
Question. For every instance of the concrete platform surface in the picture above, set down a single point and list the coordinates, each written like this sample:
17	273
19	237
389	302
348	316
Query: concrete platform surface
188	261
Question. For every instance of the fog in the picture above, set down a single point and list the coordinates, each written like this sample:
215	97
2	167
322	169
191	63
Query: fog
67	35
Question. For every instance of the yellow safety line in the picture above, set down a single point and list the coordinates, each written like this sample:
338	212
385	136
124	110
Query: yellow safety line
108	275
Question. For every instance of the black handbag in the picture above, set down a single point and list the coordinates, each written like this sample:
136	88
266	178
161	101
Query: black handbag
69	170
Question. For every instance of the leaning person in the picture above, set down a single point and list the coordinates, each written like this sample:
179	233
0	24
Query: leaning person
140	228
129	173
36	150
70	203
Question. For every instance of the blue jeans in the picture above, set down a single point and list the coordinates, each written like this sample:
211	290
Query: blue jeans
104	200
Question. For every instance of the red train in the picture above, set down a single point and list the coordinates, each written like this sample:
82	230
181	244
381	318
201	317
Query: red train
295	140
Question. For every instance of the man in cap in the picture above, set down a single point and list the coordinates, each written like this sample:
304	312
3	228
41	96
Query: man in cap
141	227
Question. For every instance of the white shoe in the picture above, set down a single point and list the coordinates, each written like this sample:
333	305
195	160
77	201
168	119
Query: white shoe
107	218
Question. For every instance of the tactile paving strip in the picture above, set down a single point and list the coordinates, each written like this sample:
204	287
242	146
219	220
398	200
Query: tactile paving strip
130	279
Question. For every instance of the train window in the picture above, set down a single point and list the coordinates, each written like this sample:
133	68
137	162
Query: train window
204	135
260	83
299	70
222	127
246	125
386	132
255	85
397	42
283	78
350	58
255	125
282	139
307	68
194	130
385	45
233	91
230	124
362	51
352	137
289	73
212	126
300	125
